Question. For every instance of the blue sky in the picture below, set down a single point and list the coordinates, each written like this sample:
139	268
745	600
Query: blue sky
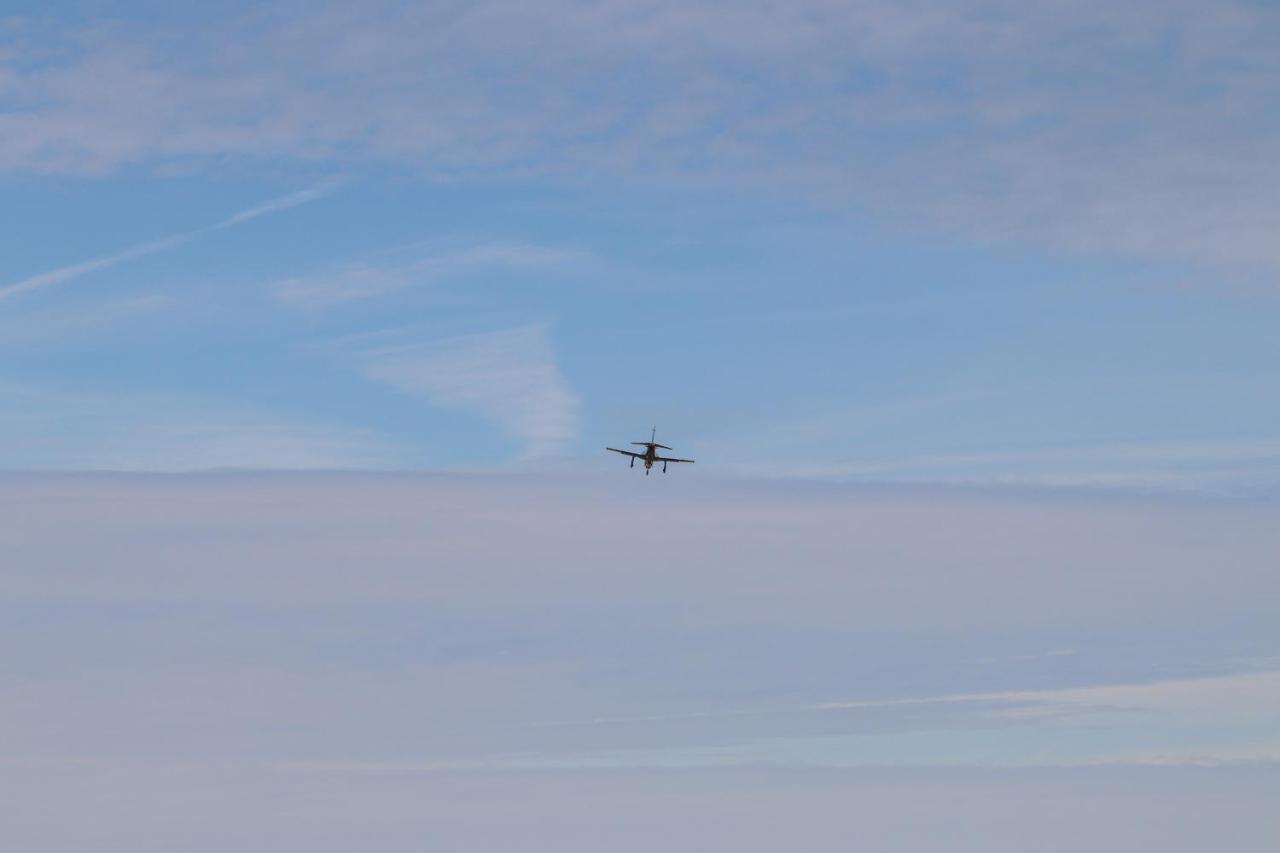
829	241
315	319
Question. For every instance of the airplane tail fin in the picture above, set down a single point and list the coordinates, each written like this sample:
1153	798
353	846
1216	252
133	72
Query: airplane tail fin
653	441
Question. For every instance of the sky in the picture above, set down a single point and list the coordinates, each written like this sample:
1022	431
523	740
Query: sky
316	318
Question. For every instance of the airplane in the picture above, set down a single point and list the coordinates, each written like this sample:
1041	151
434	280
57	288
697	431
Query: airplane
650	454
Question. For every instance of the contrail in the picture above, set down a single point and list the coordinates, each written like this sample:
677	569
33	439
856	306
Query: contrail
1127	696
275	205
61	274
140	250
958	698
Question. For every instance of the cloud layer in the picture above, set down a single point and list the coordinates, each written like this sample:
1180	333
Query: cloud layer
505	649
1144	129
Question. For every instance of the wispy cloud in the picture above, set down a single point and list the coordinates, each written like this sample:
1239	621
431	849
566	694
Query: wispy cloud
86	319
1249	694
510	376
1073	124
142	250
1027	658
1238	466
46	429
1174	722
363	281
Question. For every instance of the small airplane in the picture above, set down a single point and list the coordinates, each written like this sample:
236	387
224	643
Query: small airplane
650	454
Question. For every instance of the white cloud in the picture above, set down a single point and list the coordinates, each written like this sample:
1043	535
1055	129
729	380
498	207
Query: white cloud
53	429
364	281
345	284
226	805
389	642
1228	467
509	376
1249	697
1202	722
1142	129
54	326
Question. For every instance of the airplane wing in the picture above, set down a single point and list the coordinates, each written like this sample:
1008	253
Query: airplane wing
669	459
626	452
